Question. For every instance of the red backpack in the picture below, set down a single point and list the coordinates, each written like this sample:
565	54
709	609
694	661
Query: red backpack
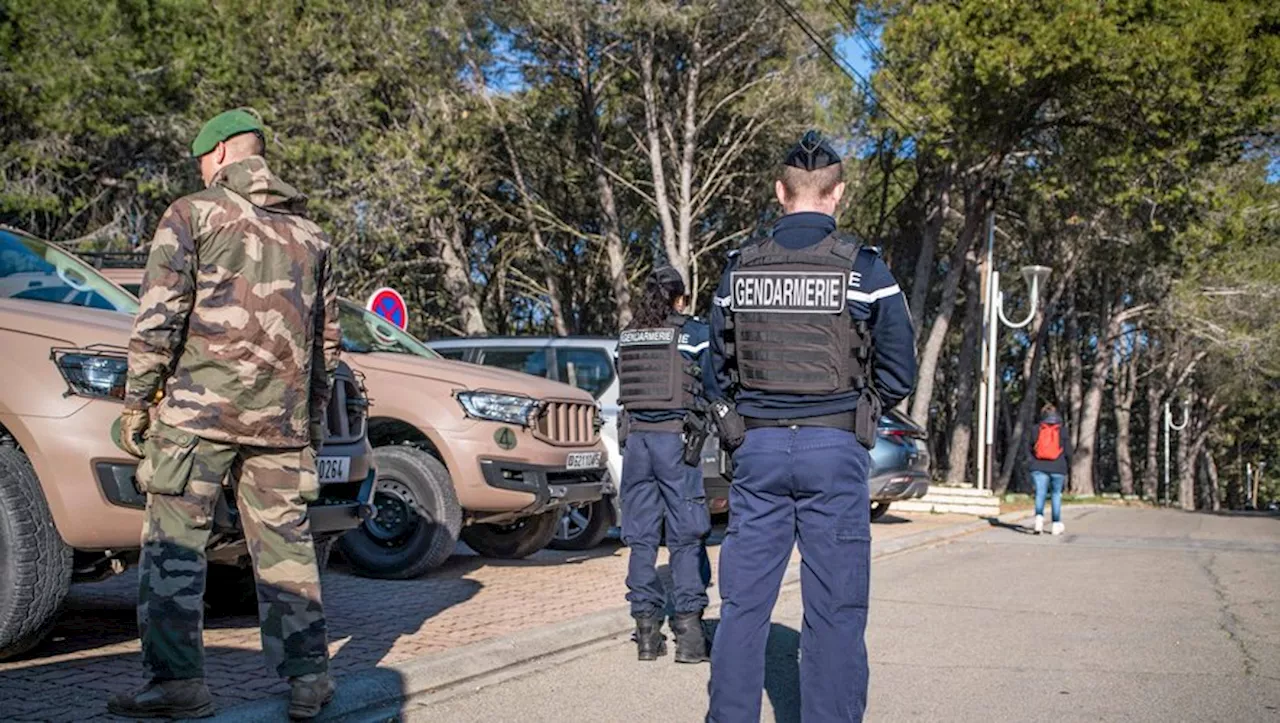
1049	441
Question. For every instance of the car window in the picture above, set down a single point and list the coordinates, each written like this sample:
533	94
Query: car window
364	332
453	352
590	370
529	361
39	271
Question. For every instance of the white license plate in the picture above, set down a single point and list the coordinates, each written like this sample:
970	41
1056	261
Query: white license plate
333	469
582	460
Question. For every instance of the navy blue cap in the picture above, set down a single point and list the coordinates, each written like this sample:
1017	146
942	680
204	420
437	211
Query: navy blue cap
811	153
668	278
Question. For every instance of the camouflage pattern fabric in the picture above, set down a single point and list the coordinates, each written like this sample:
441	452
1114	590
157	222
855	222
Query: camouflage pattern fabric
239	318
273	488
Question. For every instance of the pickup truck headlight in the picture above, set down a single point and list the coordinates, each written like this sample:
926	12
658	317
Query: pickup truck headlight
93	375
498	407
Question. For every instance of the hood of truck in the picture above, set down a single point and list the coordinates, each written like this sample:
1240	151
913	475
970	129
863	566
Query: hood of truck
465	376
66	324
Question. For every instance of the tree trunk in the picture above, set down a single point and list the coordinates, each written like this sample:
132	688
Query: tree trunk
1151	475
1075	369
929	245
1082	459
1124	374
615	252
962	428
1212	496
653	140
923	398
457	276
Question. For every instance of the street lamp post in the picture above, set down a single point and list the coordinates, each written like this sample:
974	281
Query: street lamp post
1170	426
1035	276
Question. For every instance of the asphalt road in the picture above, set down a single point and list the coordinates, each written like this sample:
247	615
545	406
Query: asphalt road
1133	615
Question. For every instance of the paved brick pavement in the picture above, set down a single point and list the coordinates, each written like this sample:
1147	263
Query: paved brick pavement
94	649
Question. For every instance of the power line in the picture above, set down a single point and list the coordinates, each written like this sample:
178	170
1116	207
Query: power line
840	62
869	43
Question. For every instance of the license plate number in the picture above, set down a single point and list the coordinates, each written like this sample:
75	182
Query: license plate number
333	469
582	460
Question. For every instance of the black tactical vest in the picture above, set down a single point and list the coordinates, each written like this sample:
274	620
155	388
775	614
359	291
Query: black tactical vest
652	373
790	331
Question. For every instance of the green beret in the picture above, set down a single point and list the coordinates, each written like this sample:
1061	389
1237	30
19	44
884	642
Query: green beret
221	127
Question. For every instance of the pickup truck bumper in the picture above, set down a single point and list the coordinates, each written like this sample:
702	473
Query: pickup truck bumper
552	487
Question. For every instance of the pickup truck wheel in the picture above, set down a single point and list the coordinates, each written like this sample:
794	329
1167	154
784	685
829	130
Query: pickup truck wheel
416	517
35	567
513	541
582	528
878	509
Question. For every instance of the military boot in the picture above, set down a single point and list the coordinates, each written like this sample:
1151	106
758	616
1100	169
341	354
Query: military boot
187	698
308	694
691	638
651	644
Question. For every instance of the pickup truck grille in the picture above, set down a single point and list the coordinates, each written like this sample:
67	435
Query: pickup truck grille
567	424
348	410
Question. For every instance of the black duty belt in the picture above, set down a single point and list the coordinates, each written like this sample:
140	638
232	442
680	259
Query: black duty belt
843	420
671	425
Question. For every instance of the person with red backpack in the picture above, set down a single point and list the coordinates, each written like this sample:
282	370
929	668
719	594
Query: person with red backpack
1050	463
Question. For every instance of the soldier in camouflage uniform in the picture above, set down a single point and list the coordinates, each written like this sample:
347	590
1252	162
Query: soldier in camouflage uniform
231	361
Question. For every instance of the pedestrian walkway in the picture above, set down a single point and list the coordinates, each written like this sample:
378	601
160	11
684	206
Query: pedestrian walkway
1133	615
94	649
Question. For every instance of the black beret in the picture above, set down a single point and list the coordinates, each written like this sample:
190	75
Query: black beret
811	153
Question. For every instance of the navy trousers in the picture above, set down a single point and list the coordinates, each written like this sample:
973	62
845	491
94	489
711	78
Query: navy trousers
656	487
806	484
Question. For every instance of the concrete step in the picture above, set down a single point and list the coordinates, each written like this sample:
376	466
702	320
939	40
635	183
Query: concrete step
959	491
925	505
960	500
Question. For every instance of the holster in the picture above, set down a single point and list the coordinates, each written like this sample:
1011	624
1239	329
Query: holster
696	429
729	424
867	417
624	428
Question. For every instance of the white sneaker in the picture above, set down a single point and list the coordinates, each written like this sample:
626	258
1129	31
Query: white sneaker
1058	529
1039	524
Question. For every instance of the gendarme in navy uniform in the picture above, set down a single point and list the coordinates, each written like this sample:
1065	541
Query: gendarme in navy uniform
810	340
662	359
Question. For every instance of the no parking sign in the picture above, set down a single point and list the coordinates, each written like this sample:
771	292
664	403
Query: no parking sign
389	304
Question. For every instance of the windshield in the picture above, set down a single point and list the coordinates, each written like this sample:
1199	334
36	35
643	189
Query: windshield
364	332
37	270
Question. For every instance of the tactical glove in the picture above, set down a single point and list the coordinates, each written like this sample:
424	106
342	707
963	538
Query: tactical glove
317	435
133	430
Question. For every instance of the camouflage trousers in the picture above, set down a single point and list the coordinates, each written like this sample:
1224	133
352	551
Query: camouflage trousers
183	475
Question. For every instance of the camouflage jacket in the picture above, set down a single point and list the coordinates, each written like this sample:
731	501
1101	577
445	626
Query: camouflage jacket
239	315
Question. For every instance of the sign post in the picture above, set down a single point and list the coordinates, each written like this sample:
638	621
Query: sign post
389	304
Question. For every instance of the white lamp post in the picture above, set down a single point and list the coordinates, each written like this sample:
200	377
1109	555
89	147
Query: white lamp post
1170	426
994	306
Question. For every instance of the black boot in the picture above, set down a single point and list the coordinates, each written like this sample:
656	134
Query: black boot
691	638
651	644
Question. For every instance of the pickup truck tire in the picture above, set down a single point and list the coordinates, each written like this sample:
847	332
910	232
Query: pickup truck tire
402	542
585	527
35	569
516	540
878	509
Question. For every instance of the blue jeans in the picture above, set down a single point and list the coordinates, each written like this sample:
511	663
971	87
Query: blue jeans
805	485
1042	481
658	487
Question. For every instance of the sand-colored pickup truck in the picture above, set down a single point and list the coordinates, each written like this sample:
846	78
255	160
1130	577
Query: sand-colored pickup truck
69	506
490	455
